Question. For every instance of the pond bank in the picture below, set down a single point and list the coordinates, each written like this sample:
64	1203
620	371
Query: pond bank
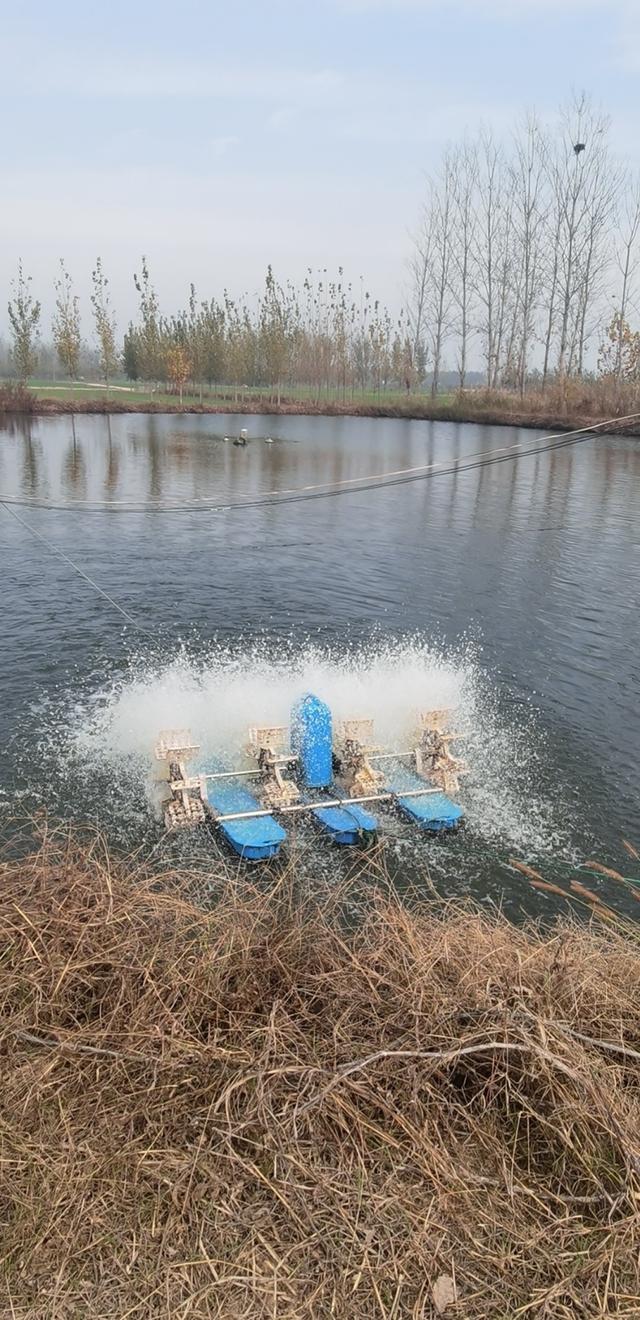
470	408
247	1105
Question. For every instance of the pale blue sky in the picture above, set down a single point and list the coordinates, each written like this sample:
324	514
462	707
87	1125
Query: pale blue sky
218	137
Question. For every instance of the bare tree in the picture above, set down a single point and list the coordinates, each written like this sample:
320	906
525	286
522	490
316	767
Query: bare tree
420	270
430	310
487	246
627	257
525	238
605	182
441	226
529	217
464	182
507	286
585	190
551	272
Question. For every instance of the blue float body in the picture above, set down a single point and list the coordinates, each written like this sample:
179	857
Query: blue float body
346	825
312	741
255	839
434	811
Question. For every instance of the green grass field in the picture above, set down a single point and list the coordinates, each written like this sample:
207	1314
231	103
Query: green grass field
123	392
120	391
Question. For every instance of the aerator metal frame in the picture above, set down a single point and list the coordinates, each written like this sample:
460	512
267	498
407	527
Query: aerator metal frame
335	779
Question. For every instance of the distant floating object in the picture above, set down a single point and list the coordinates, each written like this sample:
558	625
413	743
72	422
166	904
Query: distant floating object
268	440
227	438
578	147
242	438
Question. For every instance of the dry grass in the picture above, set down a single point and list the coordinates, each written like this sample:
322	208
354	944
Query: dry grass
247	1112
561	405
16	398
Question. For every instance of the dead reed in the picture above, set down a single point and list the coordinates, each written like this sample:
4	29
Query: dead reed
16	398
248	1111
560	405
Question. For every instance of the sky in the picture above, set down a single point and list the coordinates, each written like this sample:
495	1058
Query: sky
219	137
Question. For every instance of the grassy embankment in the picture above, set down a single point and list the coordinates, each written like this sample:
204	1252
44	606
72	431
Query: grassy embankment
214	399
247	1110
561	406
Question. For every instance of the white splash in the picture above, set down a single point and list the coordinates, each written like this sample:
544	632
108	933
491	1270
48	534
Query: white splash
218	696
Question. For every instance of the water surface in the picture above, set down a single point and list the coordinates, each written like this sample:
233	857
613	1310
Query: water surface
515	586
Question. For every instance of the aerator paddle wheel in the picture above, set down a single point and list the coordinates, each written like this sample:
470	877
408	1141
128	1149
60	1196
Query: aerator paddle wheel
184	807
269	746
354	747
433	755
305	771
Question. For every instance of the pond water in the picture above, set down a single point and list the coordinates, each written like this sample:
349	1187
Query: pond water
510	590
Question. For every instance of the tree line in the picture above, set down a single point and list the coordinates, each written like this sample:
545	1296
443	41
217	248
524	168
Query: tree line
526	254
323	336
525	259
25	312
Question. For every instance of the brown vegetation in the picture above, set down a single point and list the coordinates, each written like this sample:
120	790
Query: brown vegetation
16	398
247	1111
560	407
562	403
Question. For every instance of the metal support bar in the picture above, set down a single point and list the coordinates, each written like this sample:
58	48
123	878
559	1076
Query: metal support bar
256	773
416	792
390	756
325	802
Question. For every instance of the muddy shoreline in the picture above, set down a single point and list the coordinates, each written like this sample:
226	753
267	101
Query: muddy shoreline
547	420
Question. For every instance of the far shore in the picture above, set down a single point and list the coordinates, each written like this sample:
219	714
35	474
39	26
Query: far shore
479	407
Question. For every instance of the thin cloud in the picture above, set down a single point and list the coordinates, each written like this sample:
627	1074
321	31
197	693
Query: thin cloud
281	118
628	43
479	9
221	145
77	74
196	226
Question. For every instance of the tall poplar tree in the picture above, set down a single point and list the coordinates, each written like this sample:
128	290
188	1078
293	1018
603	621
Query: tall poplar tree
24	319
66	324
105	323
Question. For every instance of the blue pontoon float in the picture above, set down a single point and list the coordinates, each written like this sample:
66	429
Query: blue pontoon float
252	833
331	776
